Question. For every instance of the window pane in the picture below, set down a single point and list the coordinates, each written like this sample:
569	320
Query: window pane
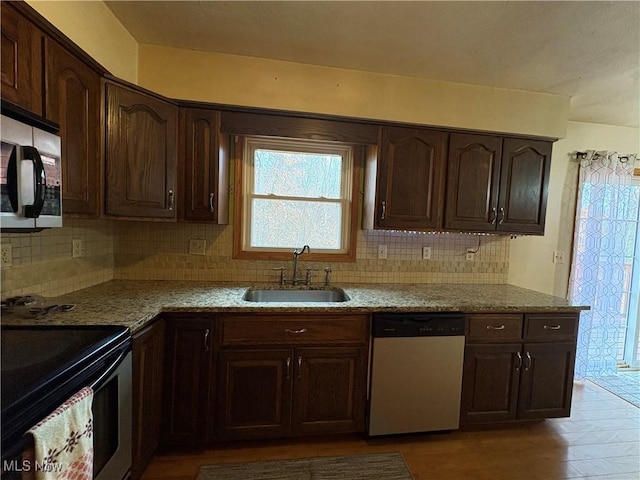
291	224
294	174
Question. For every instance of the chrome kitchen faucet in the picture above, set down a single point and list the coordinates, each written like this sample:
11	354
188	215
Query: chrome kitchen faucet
296	254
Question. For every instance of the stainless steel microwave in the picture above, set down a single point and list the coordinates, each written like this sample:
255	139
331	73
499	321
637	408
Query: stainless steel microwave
30	177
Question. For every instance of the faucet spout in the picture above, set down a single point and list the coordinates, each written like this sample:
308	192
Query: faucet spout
296	254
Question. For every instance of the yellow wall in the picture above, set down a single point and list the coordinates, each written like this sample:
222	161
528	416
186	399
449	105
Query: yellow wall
241	80
94	28
530	262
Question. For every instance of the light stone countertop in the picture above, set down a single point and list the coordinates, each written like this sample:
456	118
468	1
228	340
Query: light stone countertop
134	303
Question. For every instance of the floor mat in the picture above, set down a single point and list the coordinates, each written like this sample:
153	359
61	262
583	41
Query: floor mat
625	385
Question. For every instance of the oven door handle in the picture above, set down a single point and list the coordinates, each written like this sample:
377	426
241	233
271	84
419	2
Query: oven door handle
114	366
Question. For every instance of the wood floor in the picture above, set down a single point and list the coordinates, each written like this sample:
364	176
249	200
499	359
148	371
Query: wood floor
601	440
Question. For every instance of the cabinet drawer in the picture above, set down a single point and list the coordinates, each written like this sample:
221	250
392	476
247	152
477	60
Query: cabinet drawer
494	328
560	327
294	329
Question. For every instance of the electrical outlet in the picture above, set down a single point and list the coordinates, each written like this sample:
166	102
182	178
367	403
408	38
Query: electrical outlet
197	246
382	251
470	255
426	253
6	255
558	256
77	250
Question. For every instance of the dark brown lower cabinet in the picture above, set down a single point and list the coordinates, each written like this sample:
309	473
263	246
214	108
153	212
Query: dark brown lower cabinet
188	374
505	382
148	357
274	392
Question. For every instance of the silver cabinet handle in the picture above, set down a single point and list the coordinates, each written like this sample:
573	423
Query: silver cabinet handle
494	216
384	210
288	376
206	340
302	330
552	327
491	327
299	367
172	200
529	362
211	197
501	215
519	365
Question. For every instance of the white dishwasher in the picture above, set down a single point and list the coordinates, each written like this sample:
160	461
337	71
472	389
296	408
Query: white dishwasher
416	372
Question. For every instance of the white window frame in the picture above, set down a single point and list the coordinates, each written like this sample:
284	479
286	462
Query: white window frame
347	195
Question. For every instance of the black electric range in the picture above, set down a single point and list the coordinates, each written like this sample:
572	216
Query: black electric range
42	366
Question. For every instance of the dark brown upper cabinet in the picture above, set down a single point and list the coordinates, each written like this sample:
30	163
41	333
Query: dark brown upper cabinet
496	184
141	154
21	66
204	166
410	173
72	100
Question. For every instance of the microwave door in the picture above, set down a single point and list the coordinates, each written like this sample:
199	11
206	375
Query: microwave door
13	135
16	187
48	146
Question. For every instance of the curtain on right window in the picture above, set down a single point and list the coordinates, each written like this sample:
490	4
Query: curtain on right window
605	252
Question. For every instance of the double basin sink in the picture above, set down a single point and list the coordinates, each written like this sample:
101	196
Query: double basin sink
324	295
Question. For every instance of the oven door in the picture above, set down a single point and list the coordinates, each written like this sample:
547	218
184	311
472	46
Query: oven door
112	420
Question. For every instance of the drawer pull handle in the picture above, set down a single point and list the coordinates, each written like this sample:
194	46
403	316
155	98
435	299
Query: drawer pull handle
552	327
519	366
491	327
302	330
288	368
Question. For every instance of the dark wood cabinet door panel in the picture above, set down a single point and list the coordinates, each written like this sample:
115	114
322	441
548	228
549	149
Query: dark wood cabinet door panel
329	390
148	358
473	182
411	178
524	185
547	380
141	155
21	66
188	367
490	383
73	93
200	130
254	399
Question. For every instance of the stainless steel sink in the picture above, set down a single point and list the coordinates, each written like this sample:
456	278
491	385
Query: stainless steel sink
291	295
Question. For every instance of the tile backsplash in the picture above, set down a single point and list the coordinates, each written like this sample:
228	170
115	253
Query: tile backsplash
43	262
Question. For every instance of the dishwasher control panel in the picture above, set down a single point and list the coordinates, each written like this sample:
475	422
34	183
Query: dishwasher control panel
418	324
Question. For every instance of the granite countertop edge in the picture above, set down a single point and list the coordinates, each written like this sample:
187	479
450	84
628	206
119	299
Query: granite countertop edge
135	303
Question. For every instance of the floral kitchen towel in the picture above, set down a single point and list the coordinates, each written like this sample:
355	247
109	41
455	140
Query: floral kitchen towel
64	441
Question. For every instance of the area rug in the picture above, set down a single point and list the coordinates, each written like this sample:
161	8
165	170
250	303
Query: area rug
387	466
625	385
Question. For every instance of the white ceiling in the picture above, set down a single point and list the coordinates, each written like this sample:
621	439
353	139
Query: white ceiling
584	49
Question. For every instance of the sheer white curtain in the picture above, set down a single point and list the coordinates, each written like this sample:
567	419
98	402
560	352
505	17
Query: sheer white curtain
605	237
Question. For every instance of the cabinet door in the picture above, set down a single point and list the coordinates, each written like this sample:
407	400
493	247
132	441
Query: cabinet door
472	182
254	393
188	377
21	66
411	179
140	154
524	183
202	177
73	101
329	390
490	383
148	358
547	380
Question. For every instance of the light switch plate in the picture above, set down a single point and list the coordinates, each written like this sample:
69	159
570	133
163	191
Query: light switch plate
426	253
382	251
6	255
197	246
